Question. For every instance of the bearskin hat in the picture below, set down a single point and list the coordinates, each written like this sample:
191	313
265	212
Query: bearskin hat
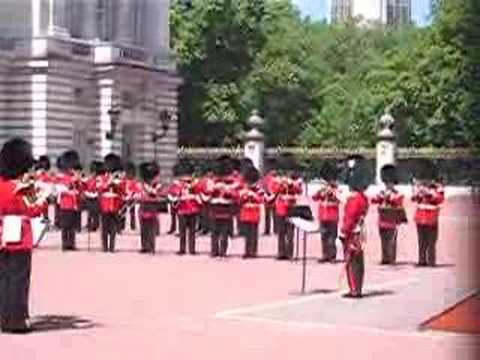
389	174
71	160
130	169
251	174
223	166
113	163
183	168
60	163
246	163
149	171
43	163
426	170
329	171
16	158
360	176
96	167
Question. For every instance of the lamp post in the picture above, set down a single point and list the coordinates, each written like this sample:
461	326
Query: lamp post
114	113
165	116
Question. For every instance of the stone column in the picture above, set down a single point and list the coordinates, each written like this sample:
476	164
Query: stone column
386	144
254	148
58	14
89	20
125	22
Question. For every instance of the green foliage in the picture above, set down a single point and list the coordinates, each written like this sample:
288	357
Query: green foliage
322	85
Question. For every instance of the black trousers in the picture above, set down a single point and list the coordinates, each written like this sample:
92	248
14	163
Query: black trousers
329	232
389	245
93	212
355	267
148	234
204	223
56	215
68	222
78	220
220	234
251	239
269	219
285	238
427	240
15	269
173	220
133	218
187	224
110	226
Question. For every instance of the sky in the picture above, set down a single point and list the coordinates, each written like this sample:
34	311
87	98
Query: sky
319	9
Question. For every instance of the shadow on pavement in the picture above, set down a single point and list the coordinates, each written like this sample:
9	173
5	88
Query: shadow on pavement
45	323
375	293
313	292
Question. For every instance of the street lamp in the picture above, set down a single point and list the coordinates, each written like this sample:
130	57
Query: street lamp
165	116
114	113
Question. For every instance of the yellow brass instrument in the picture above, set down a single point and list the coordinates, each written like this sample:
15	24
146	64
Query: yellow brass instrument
30	192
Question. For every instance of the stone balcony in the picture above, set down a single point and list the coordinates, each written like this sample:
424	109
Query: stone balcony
101	53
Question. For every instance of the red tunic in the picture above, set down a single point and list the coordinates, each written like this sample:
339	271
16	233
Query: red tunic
328	207
148	199
287	192
387	200
189	202
356	209
69	200
428	201
13	203
250	201
223	197
133	188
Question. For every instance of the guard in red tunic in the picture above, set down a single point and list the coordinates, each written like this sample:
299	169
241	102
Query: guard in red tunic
189	207
429	195
92	186
133	190
173	194
287	192
391	214
328	212
352	233
205	185
149	210
68	198
268	184
251	199
222	198
18	204
111	201
44	179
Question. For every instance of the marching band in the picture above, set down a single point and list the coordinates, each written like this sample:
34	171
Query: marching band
211	204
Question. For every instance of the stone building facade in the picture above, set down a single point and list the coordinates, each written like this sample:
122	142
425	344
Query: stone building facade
92	75
388	12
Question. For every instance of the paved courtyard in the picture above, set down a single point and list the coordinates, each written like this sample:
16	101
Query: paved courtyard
91	305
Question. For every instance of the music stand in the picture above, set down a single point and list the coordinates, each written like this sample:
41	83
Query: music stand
304	212
307	225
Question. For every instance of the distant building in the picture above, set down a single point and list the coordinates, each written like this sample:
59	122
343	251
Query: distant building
341	10
398	12
390	12
94	75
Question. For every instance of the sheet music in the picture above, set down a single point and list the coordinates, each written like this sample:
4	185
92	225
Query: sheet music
305	225
38	226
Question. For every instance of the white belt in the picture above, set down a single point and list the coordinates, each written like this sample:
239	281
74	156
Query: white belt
329	204
427	207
